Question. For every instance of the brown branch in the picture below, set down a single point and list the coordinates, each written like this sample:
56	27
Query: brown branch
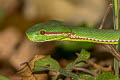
99	67
105	16
84	70
113	51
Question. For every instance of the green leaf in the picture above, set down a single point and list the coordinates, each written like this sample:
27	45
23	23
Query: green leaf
3	78
83	56
69	66
67	73
86	77
107	76
80	64
46	63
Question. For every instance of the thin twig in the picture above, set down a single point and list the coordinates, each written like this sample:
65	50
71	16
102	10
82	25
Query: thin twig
113	51
27	64
105	16
84	70
99	67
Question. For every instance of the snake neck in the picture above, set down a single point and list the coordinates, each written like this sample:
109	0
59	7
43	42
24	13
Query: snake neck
73	37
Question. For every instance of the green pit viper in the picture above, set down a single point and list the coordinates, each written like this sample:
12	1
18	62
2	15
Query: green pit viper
54	30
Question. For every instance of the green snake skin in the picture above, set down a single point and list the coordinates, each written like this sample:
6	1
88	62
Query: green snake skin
57	31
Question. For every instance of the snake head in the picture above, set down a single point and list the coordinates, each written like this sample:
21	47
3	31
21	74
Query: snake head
48	31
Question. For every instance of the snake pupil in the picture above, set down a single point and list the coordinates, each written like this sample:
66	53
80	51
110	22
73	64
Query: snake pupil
42	32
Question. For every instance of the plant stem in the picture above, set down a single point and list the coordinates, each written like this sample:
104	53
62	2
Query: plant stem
116	27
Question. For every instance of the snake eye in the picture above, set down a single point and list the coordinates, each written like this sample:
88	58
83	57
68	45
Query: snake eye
42	32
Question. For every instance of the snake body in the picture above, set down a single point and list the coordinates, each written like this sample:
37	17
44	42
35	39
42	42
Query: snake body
54	30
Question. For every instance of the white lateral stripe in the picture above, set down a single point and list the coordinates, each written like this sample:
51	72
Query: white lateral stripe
85	38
